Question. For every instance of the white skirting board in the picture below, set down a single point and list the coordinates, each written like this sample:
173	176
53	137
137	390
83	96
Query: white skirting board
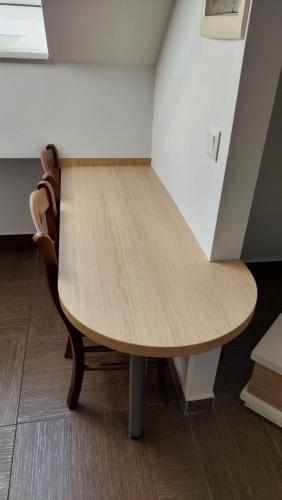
259	406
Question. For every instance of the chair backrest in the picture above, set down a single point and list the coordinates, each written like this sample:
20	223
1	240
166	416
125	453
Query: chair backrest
52	147
41	206
48	177
51	162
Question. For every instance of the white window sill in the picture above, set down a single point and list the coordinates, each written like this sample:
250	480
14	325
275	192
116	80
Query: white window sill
40	56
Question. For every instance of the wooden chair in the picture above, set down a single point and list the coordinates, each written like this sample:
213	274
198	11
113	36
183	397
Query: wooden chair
52	170
52	214
42	205
51	162
52	177
56	189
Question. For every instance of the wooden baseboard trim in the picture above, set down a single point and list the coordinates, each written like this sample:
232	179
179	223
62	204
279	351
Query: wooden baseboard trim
105	162
195	406
7	240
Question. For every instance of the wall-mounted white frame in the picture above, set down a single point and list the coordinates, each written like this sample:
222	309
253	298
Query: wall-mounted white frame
227	25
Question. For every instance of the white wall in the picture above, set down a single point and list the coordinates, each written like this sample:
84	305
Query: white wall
263	239
197	82
17	179
198	85
87	110
258	84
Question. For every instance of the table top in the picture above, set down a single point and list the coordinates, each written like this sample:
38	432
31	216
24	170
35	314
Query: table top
131	274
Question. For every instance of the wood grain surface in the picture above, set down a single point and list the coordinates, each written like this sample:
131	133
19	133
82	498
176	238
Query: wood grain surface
238	456
11	367
266	384
80	458
47	374
44	318
106	162
17	263
261	461
241	453
177	469
7	435
14	308
132	275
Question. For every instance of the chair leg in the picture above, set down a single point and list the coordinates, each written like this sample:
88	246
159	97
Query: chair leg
162	367
77	369
68	351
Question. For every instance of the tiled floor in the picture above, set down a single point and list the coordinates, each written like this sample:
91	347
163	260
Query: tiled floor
48	452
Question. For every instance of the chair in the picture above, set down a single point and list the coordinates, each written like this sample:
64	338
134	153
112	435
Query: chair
50	161
52	175
52	170
52	213
42	205
56	189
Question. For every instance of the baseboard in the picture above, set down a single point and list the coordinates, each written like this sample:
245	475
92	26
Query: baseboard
260	261
15	240
193	406
105	162
199	405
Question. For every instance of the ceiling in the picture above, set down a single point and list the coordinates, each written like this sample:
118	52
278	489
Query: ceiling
106	31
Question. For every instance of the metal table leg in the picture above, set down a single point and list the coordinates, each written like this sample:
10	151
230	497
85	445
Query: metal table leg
136	396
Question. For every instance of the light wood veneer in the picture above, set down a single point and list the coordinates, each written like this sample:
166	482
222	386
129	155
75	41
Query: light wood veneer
268	352
132	275
266	385
105	162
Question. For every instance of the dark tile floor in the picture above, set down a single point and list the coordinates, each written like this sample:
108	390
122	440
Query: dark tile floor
48	452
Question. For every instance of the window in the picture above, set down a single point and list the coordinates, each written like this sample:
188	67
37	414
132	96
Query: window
22	30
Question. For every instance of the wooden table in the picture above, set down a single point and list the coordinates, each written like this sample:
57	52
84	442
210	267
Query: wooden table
133	277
